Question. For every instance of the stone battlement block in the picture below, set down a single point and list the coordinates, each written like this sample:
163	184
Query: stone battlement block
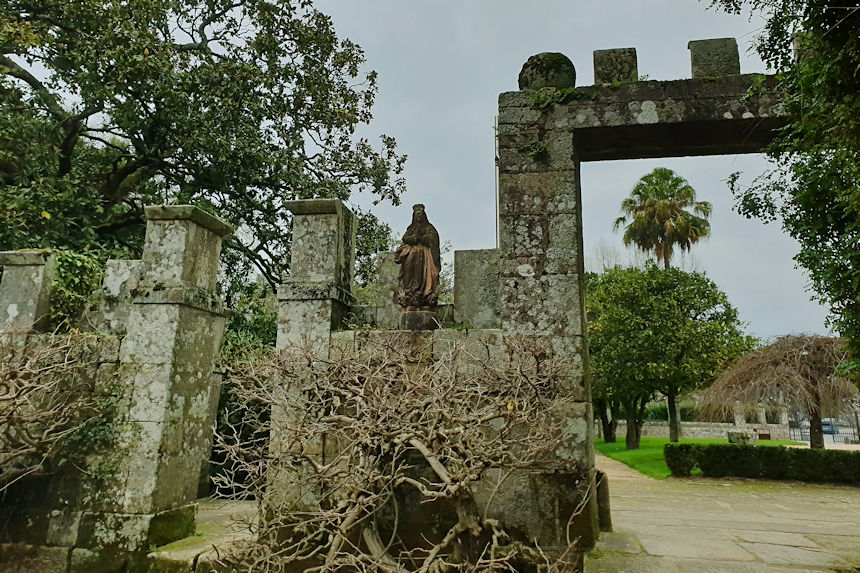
714	58
615	65
25	291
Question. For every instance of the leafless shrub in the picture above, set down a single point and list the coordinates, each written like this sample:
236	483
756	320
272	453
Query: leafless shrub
340	454
46	400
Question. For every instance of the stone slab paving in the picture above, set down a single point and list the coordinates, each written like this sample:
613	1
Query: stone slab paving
731	525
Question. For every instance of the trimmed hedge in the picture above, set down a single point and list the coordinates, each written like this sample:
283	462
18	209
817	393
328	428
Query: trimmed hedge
768	462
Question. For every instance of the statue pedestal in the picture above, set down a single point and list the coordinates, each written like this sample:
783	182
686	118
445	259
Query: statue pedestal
418	320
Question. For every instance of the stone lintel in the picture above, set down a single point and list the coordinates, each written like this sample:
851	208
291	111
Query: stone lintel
25	258
658	119
191	213
714	58
186	295
315	207
298	289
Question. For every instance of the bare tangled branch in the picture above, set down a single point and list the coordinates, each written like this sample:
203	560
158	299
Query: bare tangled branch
369	461
46	398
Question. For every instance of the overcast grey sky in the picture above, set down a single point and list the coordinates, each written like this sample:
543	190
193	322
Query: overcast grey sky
442	64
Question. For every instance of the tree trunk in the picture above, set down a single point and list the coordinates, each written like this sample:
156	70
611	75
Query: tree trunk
816	432
609	427
673	419
634	426
666	261
607	423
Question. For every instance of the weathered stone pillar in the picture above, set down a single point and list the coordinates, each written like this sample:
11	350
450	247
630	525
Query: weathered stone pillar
25	290
316	297
541	268
312	301
175	330
761	414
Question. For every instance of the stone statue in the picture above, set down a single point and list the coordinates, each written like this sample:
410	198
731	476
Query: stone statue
420	262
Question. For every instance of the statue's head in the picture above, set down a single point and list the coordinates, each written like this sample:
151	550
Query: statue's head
418	214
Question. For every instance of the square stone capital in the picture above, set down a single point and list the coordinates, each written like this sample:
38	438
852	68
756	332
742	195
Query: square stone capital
316	207
28	258
190	213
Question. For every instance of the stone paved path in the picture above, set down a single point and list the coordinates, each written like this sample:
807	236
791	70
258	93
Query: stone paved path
730	525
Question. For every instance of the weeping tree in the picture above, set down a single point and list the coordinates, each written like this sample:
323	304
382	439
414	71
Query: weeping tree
796	370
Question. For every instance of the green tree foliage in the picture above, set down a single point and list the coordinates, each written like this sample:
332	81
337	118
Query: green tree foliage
237	107
662	213
813	188
653	330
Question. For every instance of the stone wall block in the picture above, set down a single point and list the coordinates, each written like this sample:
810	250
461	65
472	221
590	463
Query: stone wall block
110	311
537	502
63	528
198	341
117	531
96	561
548	305
305	323
477	298
714	58
538	193
323	247
415	345
387	284
150	390
523	236
316	242
152	334
615	65
25	290
173	488
535	150
515	116
22	558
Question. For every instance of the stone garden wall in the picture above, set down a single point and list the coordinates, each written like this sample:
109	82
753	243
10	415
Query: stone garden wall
712	430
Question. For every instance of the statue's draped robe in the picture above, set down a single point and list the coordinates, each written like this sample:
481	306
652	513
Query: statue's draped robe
420	262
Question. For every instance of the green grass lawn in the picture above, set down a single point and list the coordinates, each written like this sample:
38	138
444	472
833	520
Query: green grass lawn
648	459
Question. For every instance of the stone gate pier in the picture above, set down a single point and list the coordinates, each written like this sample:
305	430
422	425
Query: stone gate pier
160	329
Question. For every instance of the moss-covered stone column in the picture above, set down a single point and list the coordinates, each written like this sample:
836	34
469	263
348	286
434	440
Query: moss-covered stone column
25	290
541	275
175	330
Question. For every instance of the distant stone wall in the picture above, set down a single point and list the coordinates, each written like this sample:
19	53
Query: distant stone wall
711	430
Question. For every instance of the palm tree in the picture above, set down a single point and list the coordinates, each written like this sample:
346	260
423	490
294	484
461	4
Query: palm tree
662	213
